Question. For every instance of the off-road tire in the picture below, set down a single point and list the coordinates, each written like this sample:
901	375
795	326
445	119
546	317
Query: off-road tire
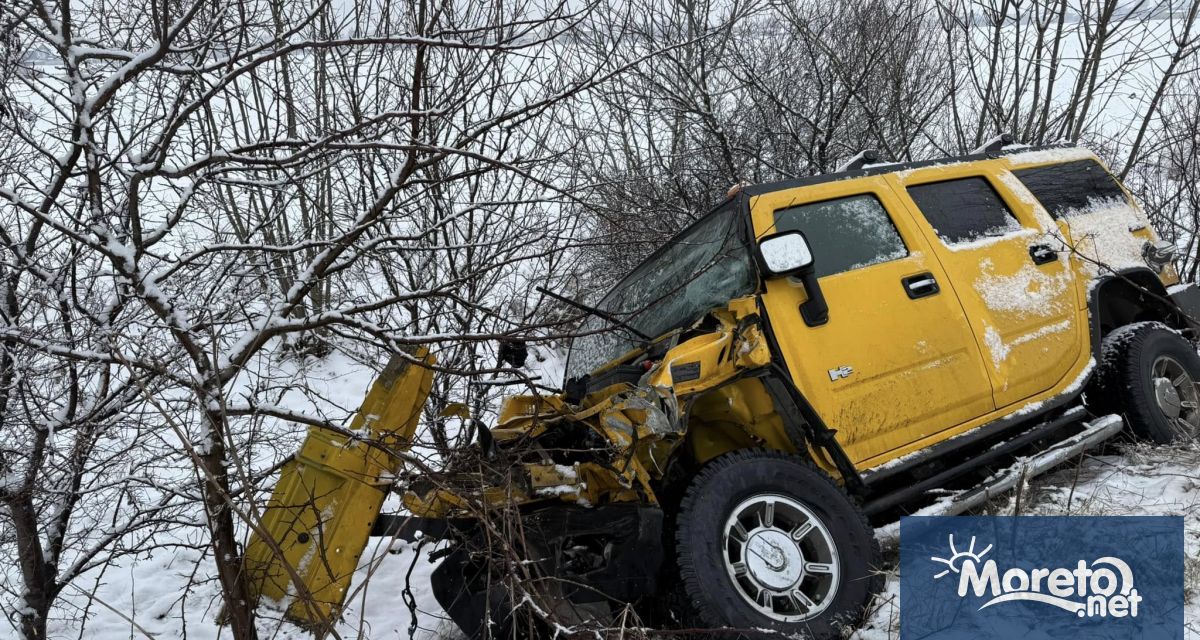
715	492
1125	380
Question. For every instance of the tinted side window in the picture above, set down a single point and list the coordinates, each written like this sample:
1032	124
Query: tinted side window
1070	187
964	210
847	233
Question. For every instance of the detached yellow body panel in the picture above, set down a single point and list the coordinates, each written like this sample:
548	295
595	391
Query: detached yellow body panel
320	515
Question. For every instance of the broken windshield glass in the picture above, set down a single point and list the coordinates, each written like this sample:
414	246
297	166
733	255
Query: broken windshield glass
702	268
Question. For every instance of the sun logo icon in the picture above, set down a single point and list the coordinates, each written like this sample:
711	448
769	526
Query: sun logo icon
957	558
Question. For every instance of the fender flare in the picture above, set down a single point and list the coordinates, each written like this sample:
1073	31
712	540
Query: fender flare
1129	295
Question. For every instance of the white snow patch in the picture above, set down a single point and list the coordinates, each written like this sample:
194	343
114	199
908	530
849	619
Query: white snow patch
575	491
1011	233
10	482
1001	349
1029	291
1102	237
995	345
1044	156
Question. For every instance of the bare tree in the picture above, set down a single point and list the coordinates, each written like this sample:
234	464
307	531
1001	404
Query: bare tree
1167	179
764	91
199	200
224	178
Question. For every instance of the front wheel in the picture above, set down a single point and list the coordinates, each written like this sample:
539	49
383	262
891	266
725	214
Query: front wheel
766	541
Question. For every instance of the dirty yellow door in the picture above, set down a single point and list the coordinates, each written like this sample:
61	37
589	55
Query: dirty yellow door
896	363
1009	270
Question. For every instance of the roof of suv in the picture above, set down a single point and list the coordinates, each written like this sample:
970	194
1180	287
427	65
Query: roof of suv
877	169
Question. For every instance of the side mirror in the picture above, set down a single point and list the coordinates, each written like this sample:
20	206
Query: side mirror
786	253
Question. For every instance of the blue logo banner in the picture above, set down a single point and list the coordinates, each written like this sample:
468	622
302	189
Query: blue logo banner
1041	577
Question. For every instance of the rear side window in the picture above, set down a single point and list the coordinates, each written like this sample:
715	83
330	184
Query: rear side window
964	210
844	234
1071	187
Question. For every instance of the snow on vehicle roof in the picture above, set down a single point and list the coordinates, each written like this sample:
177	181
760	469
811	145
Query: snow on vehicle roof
1018	154
1056	154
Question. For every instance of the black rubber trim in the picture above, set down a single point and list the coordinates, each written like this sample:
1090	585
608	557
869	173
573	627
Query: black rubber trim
814	310
1126	275
991	429
1042	254
406	527
622	373
913	491
914	294
1187	299
778	382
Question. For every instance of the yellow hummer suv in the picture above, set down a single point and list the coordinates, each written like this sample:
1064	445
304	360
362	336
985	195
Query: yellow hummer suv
811	356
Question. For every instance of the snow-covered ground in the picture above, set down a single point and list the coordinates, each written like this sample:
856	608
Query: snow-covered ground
1127	480
173	594
151	598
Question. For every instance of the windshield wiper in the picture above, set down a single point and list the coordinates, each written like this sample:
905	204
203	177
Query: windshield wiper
603	315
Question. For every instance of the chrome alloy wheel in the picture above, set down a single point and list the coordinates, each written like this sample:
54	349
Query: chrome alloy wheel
1176	395
781	558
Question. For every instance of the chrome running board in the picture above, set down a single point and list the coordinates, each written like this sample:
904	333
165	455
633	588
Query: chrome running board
1094	433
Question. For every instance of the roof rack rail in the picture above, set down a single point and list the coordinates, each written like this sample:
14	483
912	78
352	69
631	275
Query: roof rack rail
996	144
864	157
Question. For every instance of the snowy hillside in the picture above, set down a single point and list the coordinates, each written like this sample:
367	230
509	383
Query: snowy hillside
219	219
165	594
171	592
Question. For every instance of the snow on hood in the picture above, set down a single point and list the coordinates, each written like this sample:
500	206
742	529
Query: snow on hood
1101	234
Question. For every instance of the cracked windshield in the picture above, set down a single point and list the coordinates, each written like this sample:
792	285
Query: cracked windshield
703	268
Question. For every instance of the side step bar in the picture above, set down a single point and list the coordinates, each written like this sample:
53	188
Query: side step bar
1069	419
1094	433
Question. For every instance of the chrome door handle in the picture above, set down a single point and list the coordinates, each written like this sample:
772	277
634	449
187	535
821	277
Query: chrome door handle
920	285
